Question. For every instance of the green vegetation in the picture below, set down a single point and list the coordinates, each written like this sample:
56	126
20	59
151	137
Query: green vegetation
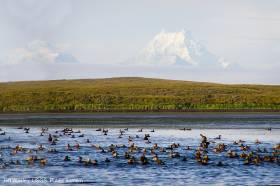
134	94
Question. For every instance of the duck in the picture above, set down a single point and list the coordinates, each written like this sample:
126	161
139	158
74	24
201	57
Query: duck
126	155
144	150
146	137
243	155
155	146
114	154
244	147
197	154
122	132
18	148
220	164
174	154
43	162
232	154
132	148
174	145
155	157
26	130
219	137
87	162
204	160
276	147
203	138
68	147
185	129
67	158
144	160
269	129
130	139
131	161
105	132
158	161
219	148
267	159
30	160
77	146
256	160
107	160
50	139
80	159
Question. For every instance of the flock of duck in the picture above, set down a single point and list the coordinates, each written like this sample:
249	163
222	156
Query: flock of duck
131	153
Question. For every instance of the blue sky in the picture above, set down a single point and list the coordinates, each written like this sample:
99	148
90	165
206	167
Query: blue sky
50	39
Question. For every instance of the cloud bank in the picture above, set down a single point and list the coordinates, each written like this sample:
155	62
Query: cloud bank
39	52
170	55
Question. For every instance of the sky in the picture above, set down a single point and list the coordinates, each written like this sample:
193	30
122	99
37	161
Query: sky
224	41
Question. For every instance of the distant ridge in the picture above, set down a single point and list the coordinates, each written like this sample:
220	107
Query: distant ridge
135	94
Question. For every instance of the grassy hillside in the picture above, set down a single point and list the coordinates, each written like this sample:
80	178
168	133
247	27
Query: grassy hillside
133	94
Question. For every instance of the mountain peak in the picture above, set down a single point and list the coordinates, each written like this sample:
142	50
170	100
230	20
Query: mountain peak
177	48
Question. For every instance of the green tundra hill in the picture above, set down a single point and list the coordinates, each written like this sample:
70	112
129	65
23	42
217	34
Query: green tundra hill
134	94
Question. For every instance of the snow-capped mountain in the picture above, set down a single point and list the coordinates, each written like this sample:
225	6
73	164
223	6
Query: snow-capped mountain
178	48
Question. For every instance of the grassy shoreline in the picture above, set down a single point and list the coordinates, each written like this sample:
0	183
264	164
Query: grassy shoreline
199	111
135	95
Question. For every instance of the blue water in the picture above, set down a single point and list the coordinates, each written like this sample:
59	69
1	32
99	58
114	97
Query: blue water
118	172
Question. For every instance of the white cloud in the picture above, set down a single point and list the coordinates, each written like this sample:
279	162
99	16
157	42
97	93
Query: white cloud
39	52
224	62
178	48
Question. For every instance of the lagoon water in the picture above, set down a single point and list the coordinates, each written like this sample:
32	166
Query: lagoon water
117	172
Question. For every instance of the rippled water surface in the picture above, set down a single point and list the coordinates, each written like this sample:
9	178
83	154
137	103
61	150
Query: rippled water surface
118	172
